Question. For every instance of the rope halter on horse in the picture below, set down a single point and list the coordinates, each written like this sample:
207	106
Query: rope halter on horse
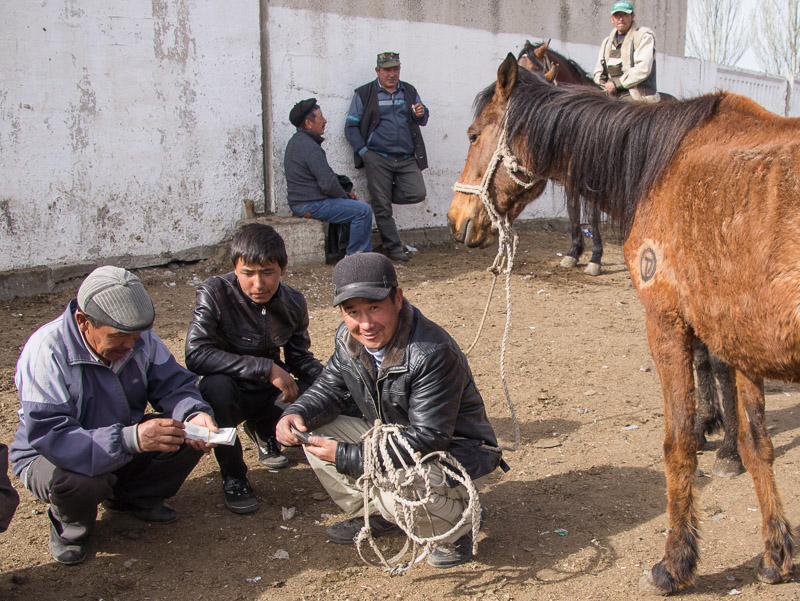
507	237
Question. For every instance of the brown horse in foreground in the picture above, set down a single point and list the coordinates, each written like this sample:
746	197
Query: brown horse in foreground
712	415
707	192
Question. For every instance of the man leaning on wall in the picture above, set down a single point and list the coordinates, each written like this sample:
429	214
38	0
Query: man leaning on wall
383	127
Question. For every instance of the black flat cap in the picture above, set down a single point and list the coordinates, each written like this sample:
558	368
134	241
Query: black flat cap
363	275
299	111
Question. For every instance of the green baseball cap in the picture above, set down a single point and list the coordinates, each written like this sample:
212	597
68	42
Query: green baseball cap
623	6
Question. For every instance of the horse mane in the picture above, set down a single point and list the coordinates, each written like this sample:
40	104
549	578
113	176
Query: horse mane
610	151
528	48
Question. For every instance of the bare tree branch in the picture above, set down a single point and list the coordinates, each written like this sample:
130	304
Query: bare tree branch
776	37
715	31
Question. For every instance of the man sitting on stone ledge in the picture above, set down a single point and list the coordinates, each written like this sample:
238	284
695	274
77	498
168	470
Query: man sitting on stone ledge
314	190
84	382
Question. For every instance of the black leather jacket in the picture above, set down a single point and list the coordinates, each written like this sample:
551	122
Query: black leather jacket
230	334
425	384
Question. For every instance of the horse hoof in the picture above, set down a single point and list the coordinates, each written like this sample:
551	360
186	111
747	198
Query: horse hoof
592	269
726	467
647	585
768	575
569	262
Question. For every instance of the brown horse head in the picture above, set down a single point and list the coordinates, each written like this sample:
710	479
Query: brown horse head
469	221
535	58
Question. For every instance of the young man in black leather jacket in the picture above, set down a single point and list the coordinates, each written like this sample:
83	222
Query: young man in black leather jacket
240	323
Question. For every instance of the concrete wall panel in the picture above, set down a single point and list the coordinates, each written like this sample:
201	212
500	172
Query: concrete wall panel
327	55
126	128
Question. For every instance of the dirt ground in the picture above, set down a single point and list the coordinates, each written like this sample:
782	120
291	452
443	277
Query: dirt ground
590	463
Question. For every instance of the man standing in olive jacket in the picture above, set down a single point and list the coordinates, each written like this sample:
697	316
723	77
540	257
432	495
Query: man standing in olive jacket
240	323
397	366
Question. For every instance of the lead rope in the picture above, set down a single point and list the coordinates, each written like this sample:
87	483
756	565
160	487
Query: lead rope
507	249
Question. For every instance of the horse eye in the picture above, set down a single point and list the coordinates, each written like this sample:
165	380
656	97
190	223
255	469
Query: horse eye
472	138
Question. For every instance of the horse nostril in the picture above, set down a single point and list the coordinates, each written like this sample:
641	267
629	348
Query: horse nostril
468	227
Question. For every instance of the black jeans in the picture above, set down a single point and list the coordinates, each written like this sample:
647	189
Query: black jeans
144	482
391	182
234	402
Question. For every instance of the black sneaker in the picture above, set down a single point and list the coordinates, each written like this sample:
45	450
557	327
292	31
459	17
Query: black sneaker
344	533
239	497
269	450
69	554
398	255
448	555
160	514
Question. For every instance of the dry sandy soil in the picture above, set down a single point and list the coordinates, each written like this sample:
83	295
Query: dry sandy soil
590	462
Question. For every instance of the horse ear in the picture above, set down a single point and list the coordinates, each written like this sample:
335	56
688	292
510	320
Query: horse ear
527	44
540	51
551	74
506	78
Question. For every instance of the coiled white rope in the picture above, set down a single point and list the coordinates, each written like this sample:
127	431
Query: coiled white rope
411	491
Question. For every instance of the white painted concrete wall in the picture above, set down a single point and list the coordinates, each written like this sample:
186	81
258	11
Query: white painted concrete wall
126	128
134	129
447	64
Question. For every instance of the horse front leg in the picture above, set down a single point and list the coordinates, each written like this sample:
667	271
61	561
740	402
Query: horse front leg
593	268
576	249
671	347
758	455
729	462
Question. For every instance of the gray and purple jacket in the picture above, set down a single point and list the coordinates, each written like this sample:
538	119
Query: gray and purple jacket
82	416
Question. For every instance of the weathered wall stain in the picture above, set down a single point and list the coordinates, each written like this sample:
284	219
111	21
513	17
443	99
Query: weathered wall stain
80	114
172	39
7	217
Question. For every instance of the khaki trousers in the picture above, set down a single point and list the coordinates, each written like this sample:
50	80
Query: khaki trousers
442	514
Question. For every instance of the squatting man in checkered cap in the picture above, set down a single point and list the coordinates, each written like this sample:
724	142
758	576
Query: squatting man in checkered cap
84	382
395	365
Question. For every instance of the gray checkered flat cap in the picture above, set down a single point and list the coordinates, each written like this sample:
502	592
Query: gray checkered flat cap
117	298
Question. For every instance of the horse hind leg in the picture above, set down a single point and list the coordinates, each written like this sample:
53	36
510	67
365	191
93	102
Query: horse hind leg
708	418
758	455
576	249
593	268
728	463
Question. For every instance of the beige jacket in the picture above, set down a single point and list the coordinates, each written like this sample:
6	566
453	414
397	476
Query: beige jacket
637	58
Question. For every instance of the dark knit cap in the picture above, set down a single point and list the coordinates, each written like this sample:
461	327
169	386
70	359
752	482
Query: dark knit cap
363	275
299	111
117	298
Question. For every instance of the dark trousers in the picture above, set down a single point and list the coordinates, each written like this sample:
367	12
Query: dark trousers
391	181
234	402
145	481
